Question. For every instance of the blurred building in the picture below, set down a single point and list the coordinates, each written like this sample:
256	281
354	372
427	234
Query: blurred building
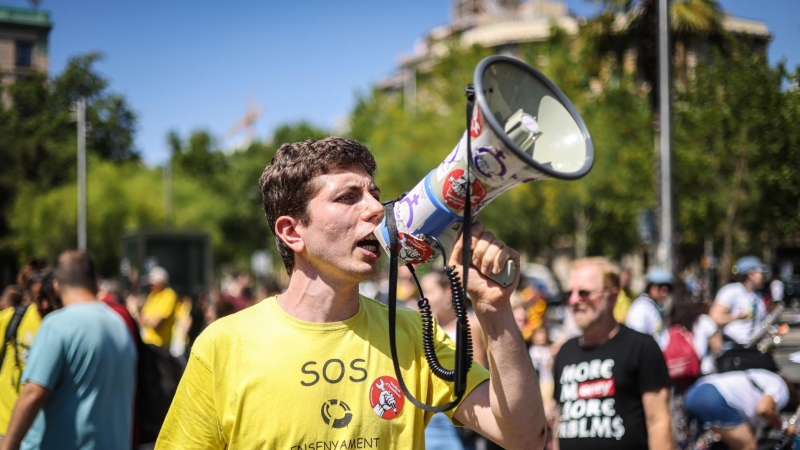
503	25
24	37
23	49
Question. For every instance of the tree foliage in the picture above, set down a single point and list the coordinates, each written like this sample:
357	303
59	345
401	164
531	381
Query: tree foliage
736	138
736	133
38	137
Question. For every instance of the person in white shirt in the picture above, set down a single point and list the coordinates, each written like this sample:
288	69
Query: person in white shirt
736	404
646	314
738	308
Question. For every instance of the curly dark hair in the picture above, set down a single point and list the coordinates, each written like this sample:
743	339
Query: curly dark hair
287	182
31	272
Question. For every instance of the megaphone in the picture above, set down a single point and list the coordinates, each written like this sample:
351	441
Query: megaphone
523	129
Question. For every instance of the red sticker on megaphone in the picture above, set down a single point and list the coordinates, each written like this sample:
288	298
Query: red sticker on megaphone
476	125
413	250
454	190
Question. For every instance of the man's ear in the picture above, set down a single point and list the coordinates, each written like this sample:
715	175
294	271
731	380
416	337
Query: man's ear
56	288
286	228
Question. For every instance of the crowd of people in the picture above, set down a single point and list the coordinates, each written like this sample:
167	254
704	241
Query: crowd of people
309	365
66	369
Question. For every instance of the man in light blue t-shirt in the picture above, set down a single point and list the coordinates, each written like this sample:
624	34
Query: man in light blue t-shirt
80	376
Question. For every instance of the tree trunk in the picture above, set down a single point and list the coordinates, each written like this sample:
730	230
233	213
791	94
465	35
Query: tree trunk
582	225
730	216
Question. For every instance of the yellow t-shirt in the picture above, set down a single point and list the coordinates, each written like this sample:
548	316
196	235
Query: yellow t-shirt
14	364
263	379
622	306
160	304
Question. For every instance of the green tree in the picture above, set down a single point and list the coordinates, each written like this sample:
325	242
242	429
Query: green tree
736	129
38	134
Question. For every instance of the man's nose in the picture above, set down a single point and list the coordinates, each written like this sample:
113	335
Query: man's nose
374	210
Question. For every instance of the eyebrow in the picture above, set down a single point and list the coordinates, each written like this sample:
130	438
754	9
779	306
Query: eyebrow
355	187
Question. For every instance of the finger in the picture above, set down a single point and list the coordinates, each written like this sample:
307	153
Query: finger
456	254
491	247
485	250
504	255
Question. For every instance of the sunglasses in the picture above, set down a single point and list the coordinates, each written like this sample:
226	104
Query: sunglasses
582	293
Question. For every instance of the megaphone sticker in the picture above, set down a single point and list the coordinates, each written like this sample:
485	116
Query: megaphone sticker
476	125
413	250
488	162
451	160
454	190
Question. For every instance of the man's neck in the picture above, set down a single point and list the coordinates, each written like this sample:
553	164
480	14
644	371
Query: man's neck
312	297
73	296
600	332
748	285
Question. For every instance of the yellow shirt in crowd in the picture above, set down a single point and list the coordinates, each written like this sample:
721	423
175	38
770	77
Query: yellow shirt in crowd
14	361
162	305
622	306
262	379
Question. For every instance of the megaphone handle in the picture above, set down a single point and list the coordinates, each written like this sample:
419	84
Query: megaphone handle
506	277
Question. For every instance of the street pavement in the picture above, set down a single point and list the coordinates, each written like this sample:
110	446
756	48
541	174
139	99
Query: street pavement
789	345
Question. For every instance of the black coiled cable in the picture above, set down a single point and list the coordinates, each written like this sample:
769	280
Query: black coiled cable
457	296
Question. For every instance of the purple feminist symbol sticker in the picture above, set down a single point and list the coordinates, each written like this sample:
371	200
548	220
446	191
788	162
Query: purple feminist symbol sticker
488	162
405	210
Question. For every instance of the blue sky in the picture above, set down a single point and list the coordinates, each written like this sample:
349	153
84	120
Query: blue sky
187	65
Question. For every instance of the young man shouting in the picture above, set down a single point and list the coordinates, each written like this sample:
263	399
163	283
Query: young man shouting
311	367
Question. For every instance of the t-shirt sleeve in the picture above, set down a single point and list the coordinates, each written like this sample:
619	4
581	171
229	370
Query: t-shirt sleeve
443	391
776	389
653	373
46	359
707	325
726	297
637	319
191	422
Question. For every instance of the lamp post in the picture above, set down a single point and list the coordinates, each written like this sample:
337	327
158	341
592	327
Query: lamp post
664	254
81	116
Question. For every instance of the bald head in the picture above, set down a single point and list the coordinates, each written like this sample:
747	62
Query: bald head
76	270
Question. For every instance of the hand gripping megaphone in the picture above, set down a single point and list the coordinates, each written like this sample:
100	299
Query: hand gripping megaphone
522	129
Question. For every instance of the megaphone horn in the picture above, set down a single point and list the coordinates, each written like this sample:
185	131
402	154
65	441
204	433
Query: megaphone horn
523	129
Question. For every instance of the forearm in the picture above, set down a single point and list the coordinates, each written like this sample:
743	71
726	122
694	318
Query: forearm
514	394
721	315
773	418
30	402
659	434
152	322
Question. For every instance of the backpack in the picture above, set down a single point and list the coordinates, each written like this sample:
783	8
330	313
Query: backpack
158	376
745	358
11	338
682	360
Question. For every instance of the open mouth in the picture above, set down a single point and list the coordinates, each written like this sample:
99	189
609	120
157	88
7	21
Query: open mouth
370	244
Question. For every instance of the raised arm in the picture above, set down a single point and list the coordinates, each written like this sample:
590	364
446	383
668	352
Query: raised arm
508	409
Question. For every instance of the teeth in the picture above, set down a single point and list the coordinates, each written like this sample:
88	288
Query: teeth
371	248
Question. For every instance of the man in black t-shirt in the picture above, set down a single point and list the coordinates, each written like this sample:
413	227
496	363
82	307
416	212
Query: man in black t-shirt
612	384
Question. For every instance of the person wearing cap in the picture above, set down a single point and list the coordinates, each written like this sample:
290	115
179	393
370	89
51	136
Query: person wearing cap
158	312
738	308
646	314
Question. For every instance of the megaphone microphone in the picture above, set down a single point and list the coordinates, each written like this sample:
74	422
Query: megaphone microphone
520	128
